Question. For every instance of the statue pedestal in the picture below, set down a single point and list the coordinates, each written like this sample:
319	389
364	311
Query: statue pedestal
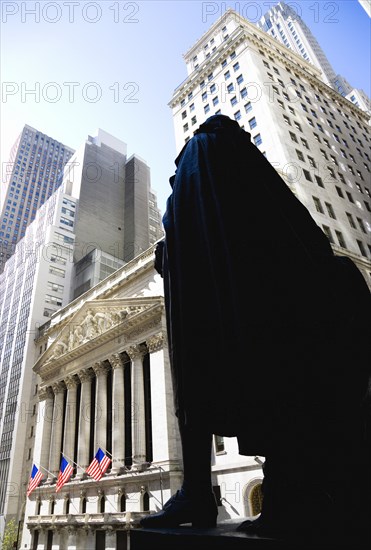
223	537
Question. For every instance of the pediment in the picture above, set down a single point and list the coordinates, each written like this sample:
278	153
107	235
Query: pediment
95	322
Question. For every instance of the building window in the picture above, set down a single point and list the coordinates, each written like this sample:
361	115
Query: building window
293	137
319	181
361	225
307	175
300	155
330	210
49	299
248	107
351	220
305	144
237	115
207	108
340	239
233	101
193	120
318	205
236	66
227	75
185	127
312	162
257	139
240	79
252	123
297	126
219	444
328	233
215	101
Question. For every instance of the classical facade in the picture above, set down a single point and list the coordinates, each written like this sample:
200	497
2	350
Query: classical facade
104	381
69	247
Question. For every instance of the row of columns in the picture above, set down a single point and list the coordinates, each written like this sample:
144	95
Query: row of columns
51	408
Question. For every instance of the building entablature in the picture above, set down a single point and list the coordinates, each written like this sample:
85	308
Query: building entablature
106	521
82	341
109	287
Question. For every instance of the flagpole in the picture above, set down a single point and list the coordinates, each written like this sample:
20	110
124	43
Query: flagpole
42	467
73	462
105	450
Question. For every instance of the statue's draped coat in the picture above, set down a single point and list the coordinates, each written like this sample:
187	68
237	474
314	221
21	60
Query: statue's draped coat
266	326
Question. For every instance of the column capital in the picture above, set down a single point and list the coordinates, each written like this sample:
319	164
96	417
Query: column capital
156	342
100	368
116	360
58	387
135	352
71	381
45	392
85	375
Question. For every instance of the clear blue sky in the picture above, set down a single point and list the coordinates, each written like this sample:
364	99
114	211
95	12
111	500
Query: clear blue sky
123	60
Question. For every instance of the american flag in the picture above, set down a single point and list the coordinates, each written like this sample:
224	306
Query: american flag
35	479
65	472
98	465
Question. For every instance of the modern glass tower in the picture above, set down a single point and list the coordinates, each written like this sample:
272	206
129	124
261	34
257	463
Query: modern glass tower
32	174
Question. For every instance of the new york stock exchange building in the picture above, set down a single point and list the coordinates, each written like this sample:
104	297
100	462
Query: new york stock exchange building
104	382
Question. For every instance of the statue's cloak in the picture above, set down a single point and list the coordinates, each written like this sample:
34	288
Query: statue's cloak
257	303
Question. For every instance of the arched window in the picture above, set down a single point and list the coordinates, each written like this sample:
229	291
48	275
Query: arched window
83	505
67	503
123	503
52	506
38	507
102	504
256	499
145	501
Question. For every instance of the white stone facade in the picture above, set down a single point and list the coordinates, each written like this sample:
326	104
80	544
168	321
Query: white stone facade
317	140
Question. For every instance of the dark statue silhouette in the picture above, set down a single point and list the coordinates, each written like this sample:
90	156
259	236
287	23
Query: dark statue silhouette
269	341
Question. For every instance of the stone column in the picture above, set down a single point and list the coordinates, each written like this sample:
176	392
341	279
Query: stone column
110	539
44	428
83	443
41	545
118	412
56	437
162	404
70	417
138	417
72	538
100	426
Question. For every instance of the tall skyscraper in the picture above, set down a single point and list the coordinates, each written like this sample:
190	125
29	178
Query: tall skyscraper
86	217
317	140
285	25
31	175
